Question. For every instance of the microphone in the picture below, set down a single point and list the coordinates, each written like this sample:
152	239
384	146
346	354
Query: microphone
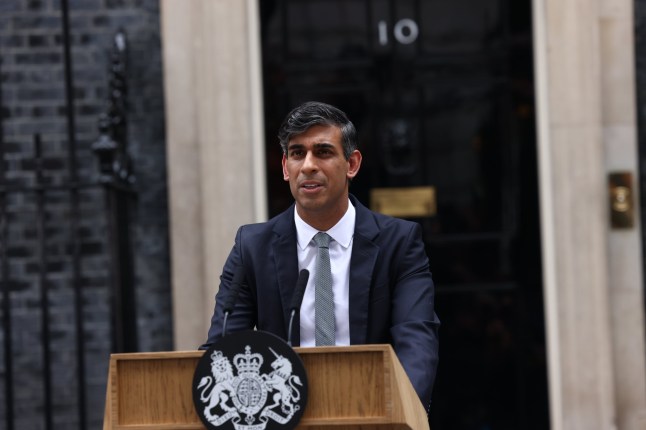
230	300
297	298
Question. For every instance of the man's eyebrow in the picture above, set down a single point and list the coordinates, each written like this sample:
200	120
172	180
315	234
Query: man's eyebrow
323	145
316	145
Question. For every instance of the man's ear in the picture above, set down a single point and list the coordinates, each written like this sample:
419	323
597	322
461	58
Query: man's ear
285	173
354	163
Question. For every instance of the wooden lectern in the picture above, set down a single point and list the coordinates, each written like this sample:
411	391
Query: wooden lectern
361	387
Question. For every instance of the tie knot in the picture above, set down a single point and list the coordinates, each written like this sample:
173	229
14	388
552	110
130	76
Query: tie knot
322	240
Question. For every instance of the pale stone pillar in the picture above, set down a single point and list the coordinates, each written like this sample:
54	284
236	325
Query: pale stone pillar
619	127
574	219
215	146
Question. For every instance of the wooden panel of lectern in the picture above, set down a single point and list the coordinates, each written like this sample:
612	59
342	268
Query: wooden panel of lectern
356	387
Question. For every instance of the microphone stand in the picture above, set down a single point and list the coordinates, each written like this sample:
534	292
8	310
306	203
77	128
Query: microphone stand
236	285
297	298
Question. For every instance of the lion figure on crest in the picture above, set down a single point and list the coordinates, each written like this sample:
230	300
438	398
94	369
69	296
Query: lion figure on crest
218	393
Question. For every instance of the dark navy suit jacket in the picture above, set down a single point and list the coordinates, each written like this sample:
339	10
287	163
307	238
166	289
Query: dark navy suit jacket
391	290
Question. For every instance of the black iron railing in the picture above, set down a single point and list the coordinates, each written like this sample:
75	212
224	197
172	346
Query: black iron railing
116	182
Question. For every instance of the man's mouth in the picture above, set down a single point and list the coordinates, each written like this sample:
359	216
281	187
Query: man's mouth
311	186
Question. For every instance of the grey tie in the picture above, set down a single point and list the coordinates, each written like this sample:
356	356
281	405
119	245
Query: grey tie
324	296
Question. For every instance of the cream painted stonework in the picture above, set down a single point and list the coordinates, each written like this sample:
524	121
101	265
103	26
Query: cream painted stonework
215	146
625	258
593	277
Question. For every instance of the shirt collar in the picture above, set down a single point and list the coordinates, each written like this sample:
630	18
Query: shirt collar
342	231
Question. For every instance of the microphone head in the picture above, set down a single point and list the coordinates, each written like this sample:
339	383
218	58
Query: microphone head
299	290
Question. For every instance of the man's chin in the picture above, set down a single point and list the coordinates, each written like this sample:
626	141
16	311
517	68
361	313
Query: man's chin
312	204
309	205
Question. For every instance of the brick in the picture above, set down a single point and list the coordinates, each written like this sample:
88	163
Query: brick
35	4
36	22
81	5
101	20
38	58
7	6
12	41
37	40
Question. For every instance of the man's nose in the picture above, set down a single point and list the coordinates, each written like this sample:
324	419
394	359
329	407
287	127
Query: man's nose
309	164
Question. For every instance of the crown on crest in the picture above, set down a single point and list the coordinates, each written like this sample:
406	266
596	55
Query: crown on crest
248	362
217	356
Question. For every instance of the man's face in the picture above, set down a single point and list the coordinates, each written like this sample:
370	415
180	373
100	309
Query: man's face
319	174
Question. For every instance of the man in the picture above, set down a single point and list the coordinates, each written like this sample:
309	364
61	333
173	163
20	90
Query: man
381	286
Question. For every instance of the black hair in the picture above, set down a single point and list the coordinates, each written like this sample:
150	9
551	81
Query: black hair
313	113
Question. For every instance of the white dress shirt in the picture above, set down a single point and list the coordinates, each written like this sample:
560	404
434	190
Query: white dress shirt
340	253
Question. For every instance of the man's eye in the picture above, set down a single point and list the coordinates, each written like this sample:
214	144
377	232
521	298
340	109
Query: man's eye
296	153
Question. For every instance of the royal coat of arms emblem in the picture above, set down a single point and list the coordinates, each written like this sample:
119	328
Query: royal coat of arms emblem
238	390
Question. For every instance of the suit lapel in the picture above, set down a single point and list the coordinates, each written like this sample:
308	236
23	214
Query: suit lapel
362	264
284	249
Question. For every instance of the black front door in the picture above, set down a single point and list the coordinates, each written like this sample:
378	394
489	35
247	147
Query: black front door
442	96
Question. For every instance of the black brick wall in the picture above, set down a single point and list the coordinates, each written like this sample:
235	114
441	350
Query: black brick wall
32	100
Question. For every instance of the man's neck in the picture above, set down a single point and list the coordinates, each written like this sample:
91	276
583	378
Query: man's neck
323	221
